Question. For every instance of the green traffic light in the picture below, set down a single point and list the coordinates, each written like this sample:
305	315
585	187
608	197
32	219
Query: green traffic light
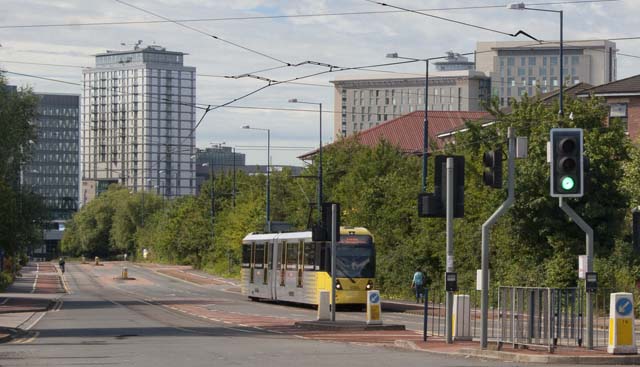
567	183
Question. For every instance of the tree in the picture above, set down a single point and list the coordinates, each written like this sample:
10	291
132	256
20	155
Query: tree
21	212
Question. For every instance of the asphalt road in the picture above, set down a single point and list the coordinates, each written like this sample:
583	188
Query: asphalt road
106	322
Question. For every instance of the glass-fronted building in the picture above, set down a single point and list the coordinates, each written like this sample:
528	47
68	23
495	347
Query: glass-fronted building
53	171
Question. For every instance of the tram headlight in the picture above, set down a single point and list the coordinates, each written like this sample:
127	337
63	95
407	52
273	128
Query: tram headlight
338	285
369	285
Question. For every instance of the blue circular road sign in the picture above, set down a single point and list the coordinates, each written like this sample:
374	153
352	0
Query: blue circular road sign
374	297
624	307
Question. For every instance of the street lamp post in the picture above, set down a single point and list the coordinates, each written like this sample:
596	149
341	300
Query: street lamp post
211	193
320	195
268	215
523	6
234	177
425	134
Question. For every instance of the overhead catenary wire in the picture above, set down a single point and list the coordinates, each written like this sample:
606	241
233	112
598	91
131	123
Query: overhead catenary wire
283	16
466	24
218	38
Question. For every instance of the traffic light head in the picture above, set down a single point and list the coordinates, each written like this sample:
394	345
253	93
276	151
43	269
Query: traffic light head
567	169
492	162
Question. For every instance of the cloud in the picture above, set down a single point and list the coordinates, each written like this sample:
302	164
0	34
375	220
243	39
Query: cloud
340	40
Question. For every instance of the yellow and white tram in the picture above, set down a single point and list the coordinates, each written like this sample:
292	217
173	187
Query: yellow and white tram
291	267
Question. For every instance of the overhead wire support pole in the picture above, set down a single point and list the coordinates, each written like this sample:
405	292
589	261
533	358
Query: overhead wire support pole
333	261
425	133
484	306
589	240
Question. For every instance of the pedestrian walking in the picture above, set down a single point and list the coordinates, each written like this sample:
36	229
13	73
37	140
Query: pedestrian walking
418	284
61	262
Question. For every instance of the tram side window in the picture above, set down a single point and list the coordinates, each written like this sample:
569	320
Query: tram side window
246	255
259	257
292	256
309	256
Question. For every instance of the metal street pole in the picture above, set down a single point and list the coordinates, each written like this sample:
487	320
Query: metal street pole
484	307
211	193
561	111
234	177
268	181
589	240
523	6
450	265
333	262
425	134
320	168
268	209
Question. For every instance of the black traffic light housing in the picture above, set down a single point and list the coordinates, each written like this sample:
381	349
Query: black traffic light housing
492	175
433	205
322	230
567	168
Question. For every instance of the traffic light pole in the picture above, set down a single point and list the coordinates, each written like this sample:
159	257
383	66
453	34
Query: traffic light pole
450	266
485	238
589	239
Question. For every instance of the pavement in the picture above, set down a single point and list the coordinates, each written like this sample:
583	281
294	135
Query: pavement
409	339
37	289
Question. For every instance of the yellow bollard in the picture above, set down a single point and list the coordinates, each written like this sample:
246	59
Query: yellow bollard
125	273
97	260
84	260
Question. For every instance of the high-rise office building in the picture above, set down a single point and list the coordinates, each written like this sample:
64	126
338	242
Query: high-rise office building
53	169
138	119
525	67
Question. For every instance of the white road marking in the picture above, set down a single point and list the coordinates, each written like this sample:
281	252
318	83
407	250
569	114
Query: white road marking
35	281
38	318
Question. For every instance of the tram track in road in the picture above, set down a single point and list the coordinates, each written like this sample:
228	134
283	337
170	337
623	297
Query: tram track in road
177	316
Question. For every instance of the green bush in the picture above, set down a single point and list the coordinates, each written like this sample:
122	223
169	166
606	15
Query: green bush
5	280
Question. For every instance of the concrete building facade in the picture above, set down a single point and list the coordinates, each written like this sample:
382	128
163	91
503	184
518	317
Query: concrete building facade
526	67
138	119
367	101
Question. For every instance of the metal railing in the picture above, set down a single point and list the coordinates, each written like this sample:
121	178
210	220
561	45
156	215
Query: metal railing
541	316
527	316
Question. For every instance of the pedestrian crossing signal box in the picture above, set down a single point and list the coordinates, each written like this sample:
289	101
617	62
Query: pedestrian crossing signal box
591	282
451	282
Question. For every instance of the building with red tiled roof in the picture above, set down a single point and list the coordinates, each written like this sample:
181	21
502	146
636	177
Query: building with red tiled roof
623	99
406	132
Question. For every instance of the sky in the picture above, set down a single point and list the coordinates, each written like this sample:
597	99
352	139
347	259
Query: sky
253	35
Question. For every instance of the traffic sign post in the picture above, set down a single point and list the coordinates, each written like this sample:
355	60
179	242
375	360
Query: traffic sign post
374	308
622	338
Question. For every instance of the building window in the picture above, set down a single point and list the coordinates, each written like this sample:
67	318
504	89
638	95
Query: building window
553	60
619	110
532	61
511	61
523	61
521	72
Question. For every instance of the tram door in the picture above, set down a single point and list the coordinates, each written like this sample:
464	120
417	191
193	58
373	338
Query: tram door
268	269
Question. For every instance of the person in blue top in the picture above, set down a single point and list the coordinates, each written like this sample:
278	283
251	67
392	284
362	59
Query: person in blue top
418	284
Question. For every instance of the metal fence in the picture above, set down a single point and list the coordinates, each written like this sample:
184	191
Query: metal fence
547	317
436	312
